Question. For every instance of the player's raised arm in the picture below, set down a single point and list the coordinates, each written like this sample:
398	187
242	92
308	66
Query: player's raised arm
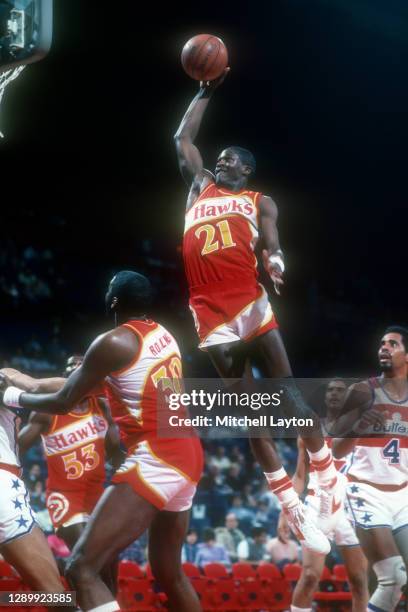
272	254
108	353
189	157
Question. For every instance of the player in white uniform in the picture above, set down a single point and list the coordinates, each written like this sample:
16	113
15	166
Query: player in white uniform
22	543
377	493
342	533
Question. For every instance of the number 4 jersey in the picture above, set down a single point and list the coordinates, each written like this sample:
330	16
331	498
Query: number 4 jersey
220	234
383	460
75	452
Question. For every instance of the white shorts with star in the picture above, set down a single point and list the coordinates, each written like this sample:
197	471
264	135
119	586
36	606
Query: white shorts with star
368	507
16	516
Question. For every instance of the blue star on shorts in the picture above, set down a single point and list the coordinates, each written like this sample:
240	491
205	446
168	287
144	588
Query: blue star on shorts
16	485
354	489
17	504
367	517
360	502
22	522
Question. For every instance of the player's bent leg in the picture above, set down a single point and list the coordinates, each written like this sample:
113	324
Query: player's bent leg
33	559
381	551
120	517
166	536
71	535
307	585
357	571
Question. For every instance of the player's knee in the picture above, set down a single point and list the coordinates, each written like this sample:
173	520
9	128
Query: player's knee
79	571
168	576
392	577
358	581
310	578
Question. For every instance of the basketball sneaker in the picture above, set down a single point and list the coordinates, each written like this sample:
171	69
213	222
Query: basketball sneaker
305	530
331	502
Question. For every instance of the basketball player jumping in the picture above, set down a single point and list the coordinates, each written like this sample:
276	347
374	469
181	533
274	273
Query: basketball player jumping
377	493
155	484
232	313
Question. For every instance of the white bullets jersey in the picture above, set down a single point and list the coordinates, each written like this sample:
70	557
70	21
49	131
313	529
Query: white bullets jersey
383	459
9	424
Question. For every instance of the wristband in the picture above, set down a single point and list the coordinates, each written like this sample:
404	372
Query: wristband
276	261
12	396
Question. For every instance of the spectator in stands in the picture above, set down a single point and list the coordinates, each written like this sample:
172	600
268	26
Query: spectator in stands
219	459
238	508
210	551
190	547
235	478
283	549
34	475
134	552
264	516
230	536
254	549
37	496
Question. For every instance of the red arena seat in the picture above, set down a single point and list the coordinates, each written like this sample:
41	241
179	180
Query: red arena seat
191	570
130	569
268	571
292	571
136	594
243	571
215	570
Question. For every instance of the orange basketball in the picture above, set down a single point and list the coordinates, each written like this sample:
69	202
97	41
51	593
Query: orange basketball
204	57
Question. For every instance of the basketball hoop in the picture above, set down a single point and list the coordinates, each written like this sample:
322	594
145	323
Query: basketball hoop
5	79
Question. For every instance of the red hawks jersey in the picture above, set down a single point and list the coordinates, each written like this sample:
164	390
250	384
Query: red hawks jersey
75	448
135	397
383	459
220	234
133	392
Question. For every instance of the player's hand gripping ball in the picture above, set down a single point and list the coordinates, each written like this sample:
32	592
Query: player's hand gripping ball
204	57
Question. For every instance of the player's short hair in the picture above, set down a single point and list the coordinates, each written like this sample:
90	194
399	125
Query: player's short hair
132	289
399	329
246	157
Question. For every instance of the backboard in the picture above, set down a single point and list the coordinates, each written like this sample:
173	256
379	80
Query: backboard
25	31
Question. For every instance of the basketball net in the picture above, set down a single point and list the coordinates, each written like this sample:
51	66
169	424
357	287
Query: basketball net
5	79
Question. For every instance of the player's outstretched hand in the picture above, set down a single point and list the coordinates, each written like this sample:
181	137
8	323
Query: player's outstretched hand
273	270
211	85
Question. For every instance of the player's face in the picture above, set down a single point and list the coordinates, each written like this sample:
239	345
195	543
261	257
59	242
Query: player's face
335	394
392	354
228	169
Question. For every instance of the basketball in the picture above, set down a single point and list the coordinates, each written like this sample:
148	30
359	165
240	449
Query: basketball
204	57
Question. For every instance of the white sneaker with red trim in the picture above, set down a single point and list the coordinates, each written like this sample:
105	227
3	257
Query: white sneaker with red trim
305	530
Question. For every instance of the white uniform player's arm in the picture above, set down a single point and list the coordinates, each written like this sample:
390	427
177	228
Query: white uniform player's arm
33	385
343	446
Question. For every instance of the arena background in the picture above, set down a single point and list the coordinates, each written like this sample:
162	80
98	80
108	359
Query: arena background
318	91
